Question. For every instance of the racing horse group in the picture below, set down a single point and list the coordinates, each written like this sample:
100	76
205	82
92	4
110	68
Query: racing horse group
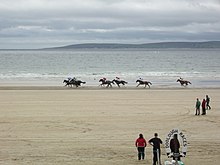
108	83
73	82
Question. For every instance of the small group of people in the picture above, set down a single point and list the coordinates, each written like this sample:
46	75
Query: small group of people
156	142
205	105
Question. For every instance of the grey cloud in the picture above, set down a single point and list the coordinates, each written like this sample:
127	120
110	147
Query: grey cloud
46	22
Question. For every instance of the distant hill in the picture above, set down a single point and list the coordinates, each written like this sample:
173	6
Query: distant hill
208	44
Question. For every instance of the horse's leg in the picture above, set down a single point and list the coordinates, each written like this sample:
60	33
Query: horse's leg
102	84
138	85
148	85
118	85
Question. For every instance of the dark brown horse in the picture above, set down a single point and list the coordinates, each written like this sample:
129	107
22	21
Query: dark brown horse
67	83
73	82
183	82
145	83
118	82
106	82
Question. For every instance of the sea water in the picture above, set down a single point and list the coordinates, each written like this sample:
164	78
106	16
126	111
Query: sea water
160	66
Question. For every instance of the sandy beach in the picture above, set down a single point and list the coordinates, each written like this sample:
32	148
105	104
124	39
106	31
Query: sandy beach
56	125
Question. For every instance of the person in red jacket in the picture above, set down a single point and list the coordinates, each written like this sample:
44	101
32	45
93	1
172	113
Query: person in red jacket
203	107
141	143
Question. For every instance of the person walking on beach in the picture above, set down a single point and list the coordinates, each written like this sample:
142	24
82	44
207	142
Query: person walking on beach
155	142
207	102
175	145
141	143
198	103
203	107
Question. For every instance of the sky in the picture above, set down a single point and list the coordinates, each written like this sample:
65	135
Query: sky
27	24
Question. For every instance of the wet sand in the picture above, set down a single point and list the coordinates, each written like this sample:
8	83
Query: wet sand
56	125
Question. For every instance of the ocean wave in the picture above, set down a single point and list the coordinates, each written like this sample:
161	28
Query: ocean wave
160	75
30	75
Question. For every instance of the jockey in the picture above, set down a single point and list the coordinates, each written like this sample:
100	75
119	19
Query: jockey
69	79
117	78
104	78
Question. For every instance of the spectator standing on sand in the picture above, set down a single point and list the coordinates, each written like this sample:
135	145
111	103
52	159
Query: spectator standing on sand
141	143
207	102
175	145
198	103
155	142
203	107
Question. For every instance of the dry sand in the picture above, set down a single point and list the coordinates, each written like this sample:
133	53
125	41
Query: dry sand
99	126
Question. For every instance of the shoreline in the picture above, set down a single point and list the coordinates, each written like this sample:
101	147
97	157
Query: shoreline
45	87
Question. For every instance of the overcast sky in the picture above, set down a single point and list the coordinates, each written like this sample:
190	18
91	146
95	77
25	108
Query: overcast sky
48	23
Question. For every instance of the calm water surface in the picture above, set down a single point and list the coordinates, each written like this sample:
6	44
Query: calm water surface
162	67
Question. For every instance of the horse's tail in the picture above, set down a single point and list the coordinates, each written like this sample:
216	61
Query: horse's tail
189	82
150	83
83	82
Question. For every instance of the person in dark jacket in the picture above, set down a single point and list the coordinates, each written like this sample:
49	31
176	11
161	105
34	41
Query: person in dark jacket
198	103
175	145
207	102
155	142
141	143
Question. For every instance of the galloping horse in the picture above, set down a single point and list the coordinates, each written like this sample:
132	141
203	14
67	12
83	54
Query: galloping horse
106	82
67	83
72	82
146	83
118	82
183	82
